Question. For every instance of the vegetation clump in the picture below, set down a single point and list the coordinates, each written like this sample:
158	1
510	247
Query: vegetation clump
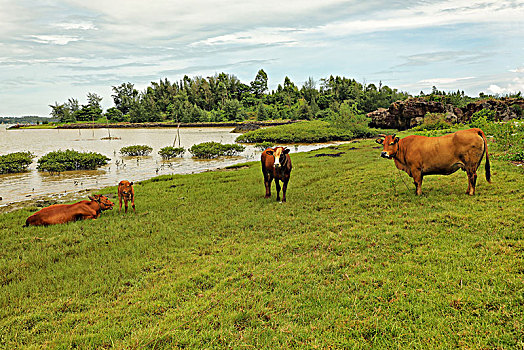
58	161
264	145
16	162
215	149
171	152
433	121
136	150
307	132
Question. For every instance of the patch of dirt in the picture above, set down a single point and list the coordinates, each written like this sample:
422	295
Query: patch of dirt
329	154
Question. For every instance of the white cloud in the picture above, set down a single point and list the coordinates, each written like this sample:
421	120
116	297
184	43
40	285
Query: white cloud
262	36
79	25
517	84
517	70
53	39
422	15
443	81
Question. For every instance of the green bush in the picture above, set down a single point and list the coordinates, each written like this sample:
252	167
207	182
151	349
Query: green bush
263	145
15	162
171	152
481	118
136	150
433	121
59	161
349	118
306	132
215	149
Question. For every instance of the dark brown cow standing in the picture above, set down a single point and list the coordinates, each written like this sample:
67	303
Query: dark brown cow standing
443	155
126	192
276	164
62	213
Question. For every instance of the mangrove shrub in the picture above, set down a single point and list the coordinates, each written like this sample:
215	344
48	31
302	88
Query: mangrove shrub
215	149
171	152
58	161
136	150
15	162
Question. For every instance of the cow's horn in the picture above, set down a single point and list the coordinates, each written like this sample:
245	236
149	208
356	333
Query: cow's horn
394	135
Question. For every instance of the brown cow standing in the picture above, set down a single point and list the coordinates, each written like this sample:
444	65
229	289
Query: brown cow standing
276	163
443	155
62	213
127	193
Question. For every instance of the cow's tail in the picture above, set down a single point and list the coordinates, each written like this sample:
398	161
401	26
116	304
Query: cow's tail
487	167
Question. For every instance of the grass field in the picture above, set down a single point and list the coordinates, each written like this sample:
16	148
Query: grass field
353	260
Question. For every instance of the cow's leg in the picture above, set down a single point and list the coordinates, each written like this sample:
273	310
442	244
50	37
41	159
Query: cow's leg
277	185
133	204
472	182
120	200
417	180
125	203
267	182
284	189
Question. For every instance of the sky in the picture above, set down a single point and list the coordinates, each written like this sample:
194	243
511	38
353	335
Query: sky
52	50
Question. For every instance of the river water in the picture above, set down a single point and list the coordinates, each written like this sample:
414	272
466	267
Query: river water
35	184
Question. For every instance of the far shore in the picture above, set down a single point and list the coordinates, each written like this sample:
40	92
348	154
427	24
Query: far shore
95	125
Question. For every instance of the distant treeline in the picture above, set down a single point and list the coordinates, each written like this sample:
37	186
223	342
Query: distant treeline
223	97
26	120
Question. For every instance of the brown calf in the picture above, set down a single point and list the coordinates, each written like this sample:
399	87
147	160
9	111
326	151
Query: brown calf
276	164
127	193
62	213
443	155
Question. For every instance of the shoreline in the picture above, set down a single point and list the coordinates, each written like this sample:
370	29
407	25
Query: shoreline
41	201
90	125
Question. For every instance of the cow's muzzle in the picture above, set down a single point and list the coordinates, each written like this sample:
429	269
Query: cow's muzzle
384	154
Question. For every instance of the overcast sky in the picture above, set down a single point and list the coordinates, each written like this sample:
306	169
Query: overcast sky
53	50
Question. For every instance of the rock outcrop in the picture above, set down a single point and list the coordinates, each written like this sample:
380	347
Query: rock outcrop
406	114
505	108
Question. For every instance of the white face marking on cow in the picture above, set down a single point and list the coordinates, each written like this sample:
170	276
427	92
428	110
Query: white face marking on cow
277	154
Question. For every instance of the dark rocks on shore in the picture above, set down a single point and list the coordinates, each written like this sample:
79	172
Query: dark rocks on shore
241	128
406	114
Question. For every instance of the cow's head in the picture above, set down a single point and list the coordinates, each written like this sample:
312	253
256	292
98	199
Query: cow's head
390	143
125	187
102	201
280	155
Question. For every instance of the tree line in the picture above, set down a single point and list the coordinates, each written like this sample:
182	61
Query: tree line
223	97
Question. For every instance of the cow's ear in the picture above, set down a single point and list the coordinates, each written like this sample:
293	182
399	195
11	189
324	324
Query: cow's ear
286	151
379	141
269	152
396	140
91	198
131	183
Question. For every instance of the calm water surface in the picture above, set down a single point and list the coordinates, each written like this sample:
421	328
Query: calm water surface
34	184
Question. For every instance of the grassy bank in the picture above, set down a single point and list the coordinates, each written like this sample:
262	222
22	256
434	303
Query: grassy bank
306	132
353	260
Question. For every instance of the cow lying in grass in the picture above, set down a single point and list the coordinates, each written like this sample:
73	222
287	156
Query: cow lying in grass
276	164
62	213
126	193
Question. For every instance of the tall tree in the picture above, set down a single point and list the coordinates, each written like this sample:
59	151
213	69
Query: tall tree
124	97
259	85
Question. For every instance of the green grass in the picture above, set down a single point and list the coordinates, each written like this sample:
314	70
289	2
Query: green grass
353	260
307	132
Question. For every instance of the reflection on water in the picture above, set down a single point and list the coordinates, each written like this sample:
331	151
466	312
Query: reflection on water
31	184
